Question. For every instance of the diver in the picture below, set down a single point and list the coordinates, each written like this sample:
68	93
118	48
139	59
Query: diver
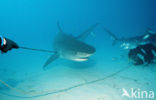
7	44
142	54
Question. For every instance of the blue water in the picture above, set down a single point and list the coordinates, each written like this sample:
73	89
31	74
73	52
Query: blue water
33	24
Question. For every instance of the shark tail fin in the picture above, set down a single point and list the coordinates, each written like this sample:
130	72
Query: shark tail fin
59	27
50	60
85	34
113	36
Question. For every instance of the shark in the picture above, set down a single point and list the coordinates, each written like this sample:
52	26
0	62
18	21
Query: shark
72	48
129	43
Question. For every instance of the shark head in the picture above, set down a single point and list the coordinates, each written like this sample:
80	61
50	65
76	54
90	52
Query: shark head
128	45
80	51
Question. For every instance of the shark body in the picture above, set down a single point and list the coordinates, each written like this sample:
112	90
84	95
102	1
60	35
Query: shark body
132	42
71	48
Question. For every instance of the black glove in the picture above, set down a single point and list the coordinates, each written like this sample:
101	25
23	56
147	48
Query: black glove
8	46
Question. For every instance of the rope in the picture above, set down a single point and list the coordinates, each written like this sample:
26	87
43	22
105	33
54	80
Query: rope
10	87
62	90
41	50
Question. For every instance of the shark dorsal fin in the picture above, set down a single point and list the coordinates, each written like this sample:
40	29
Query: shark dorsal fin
85	34
59	27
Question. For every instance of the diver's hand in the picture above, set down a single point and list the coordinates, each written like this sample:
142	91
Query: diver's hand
8	45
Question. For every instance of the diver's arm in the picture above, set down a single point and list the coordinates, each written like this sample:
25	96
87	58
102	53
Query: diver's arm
7	44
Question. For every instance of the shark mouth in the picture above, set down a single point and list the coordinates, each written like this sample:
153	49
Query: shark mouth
81	59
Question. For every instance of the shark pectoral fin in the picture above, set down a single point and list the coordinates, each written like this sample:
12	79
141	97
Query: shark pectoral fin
51	59
84	35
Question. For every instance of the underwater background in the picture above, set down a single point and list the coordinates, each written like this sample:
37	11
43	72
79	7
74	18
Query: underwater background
33	24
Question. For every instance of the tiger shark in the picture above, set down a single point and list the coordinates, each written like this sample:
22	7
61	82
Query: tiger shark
132	42
71	48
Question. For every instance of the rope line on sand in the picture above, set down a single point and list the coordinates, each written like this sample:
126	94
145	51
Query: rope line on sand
10	87
61	90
